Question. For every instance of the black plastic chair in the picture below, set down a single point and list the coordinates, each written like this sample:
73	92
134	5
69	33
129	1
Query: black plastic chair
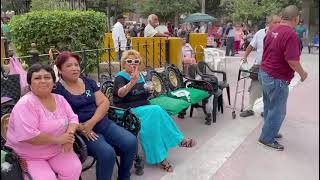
175	80
216	92
202	70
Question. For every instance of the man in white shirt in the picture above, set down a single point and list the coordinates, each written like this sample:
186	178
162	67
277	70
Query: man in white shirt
255	88
150	29
119	37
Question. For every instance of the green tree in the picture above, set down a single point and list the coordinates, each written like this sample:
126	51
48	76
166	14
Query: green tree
166	9
116	6
111	7
18	6
255	10
39	5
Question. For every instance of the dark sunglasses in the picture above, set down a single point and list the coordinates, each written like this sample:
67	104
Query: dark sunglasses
133	61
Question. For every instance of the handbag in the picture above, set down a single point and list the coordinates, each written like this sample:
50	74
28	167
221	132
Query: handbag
11	168
10	86
254	70
15	67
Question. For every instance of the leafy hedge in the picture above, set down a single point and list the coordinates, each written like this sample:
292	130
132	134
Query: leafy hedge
60	28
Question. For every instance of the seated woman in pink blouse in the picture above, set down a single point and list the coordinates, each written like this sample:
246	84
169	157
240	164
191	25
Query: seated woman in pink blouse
41	129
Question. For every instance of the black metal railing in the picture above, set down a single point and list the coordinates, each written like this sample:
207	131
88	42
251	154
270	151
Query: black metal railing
91	58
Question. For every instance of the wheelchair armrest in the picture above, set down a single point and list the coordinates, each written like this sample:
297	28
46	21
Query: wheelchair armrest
127	119
80	148
212	77
201	84
117	108
224	75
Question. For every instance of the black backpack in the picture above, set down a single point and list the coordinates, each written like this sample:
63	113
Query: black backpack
13	170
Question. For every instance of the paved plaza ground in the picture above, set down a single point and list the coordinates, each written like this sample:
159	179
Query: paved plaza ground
228	149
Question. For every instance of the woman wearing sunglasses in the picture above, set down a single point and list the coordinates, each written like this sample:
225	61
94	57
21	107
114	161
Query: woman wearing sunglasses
158	131
102	136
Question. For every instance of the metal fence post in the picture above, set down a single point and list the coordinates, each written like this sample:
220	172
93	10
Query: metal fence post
119	52
98	65
160	49
85	61
167	52
34	54
153	53
146	45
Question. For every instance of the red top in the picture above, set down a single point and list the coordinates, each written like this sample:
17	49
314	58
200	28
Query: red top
280	46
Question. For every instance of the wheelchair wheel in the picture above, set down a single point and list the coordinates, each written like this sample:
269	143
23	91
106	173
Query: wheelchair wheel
174	78
80	148
159	86
4	126
107	90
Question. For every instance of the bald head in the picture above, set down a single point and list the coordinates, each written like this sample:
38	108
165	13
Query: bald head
290	16
290	12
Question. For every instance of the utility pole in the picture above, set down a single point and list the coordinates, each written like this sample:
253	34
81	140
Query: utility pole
203	6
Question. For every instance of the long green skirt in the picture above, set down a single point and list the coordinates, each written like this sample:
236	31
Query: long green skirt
158	132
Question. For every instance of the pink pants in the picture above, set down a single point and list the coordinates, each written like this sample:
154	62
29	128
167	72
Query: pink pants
237	46
66	165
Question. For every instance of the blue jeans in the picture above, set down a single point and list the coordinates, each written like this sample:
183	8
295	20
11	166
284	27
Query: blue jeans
275	96
113	139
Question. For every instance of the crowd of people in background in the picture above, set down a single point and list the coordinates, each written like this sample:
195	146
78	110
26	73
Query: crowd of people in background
233	36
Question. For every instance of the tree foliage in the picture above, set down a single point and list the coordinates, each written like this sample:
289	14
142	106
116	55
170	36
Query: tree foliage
40	5
166	9
18	6
255	10
116	6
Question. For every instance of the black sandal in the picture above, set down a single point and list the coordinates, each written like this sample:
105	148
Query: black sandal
166	166
188	143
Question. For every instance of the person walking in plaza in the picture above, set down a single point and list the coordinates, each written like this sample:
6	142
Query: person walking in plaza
150	29
141	30
238	35
230	33
255	89
280	60
119	37
134	31
302	33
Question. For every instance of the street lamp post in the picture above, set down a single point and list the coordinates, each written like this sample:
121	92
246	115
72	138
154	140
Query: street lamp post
203	6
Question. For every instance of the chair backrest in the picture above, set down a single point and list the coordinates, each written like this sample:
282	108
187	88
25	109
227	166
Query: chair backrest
192	71
201	65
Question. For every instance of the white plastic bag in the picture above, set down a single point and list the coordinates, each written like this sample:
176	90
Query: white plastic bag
182	93
209	105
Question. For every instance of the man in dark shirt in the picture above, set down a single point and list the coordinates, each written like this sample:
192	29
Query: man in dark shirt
134	31
230	33
281	56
